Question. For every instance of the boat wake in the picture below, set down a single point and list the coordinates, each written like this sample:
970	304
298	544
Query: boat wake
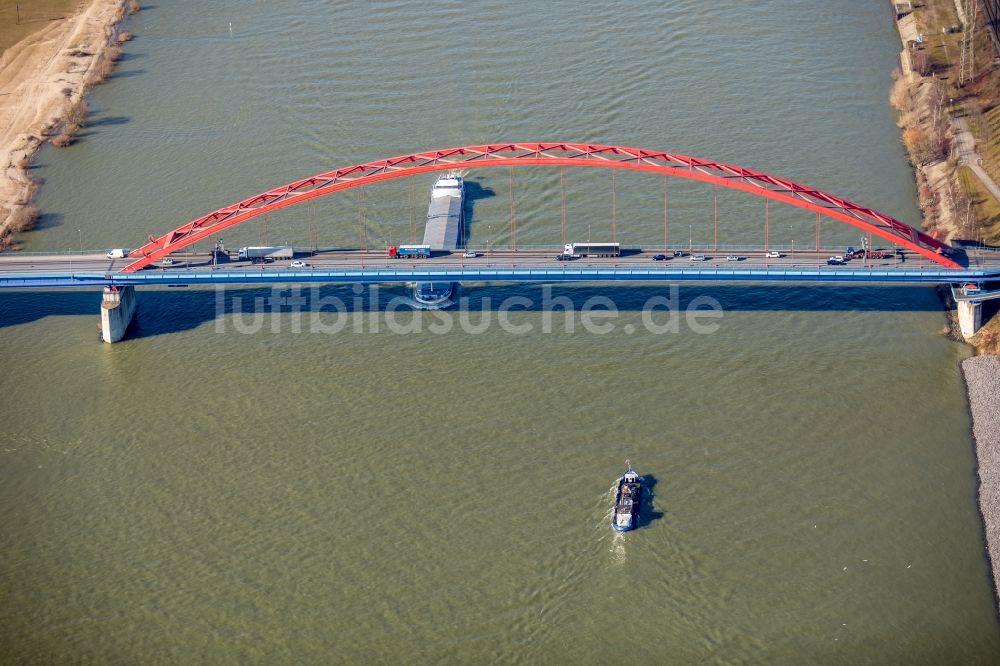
618	553
616	540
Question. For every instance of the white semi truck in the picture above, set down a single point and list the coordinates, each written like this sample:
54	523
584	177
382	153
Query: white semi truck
593	249
261	253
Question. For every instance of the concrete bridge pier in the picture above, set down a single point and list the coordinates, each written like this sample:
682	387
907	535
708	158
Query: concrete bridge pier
117	310
970	313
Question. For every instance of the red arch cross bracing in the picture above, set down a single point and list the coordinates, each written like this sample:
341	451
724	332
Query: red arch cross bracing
544	154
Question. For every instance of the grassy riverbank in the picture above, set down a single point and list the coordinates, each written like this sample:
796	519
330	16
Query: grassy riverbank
938	98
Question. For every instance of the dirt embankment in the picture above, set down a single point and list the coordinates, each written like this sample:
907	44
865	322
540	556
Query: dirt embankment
922	105
44	79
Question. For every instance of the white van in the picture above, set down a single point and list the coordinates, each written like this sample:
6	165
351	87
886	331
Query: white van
117	253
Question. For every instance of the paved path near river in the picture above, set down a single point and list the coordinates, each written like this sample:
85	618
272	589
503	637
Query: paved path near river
967	156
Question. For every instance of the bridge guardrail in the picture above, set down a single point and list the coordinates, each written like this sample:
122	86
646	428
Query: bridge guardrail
498	274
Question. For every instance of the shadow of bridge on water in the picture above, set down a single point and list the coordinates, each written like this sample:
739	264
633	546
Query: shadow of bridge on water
164	310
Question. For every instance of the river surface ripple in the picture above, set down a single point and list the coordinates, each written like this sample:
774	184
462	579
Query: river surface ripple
292	495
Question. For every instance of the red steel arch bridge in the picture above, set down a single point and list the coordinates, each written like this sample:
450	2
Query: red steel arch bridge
969	270
672	165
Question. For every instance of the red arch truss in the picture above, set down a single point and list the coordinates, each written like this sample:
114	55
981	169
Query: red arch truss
545	154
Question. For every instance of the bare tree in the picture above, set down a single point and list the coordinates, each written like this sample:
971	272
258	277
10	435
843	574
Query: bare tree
937	96
964	207
918	145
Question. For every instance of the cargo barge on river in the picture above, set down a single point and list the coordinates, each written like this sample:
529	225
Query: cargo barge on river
443	231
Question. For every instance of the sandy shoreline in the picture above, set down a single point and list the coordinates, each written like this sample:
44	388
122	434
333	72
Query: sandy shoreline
42	77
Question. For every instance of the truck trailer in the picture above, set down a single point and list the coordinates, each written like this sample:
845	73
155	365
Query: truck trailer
865	253
593	249
409	251
261	253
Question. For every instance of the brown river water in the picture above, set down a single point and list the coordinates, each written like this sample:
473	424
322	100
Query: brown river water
381	486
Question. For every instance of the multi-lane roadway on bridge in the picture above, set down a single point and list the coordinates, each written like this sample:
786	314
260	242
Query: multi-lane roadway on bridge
90	269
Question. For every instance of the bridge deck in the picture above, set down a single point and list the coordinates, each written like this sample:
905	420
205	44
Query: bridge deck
352	266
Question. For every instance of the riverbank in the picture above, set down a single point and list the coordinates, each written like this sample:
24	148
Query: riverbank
948	108
44	80
982	380
938	101
947	91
